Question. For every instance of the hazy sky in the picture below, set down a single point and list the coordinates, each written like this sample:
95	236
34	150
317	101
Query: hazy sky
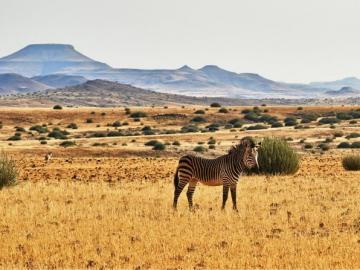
288	40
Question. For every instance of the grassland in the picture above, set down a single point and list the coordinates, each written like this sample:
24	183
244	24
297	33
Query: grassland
109	206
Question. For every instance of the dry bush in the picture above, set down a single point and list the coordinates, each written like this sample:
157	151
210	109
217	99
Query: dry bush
8	171
351	162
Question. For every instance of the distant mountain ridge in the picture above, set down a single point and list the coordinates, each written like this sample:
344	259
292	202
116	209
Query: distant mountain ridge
11	83
47	63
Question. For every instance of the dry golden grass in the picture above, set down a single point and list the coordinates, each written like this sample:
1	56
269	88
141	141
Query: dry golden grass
111	206
310	220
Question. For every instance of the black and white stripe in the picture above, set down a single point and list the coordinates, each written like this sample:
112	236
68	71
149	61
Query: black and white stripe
224	170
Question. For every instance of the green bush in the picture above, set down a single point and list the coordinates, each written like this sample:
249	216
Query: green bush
138	114
176	143
308	146
215	105
199	119
57	107
277	125
355	145
199	149
338	134
199	112
290	121
223	110
344	145
16	137
353	135
72	126
189	128
58	134
329	120
257	127
159	146
8	171
151	143
40	129
276	156
116	124
351	162
67	143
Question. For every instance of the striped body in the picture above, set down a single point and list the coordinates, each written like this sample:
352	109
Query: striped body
224	170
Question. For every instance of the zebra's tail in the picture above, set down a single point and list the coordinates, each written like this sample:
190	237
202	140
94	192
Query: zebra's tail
176	178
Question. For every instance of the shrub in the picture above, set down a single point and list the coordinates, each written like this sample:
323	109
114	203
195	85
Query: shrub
43	142
351	162
72	126
116	124
329	120
199	149
308	146
58	134
67	143
236	122
114	133
89	120
307	118
57	107
176	143
212	141
353	135
8	171
127	111
343	116
151	143
328	140
338	134
344	145
189	128
211	146
199	112
324	146
215	105
277	157
40	129
199	119
300	108
213	127
159	146
290	121
277	125
352	122
16	137
223	110
257	127
20	129
355	145
138	114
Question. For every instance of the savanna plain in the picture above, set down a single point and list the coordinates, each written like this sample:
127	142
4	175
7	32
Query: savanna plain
104	200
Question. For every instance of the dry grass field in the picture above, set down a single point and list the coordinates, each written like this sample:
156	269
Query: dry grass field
109	206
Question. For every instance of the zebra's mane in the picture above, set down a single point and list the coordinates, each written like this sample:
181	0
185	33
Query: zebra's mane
240	148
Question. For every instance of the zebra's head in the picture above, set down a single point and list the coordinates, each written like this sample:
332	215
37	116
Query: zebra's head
247	153
250	157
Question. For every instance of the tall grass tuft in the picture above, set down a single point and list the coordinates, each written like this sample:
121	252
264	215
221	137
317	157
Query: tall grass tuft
276	156
351	162
8	171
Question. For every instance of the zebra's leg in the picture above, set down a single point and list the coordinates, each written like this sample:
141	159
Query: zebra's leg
178	190
190	192
233	197
225	195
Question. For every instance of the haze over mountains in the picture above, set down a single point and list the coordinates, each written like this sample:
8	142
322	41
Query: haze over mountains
46	66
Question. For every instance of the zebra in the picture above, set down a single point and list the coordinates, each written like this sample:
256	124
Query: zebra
48	157
224	170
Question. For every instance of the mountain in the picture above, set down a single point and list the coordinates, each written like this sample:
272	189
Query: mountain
11	83
60	80
335	85
344	92
101	93
44	59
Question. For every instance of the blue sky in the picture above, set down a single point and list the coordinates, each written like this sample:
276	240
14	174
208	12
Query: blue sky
287	40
